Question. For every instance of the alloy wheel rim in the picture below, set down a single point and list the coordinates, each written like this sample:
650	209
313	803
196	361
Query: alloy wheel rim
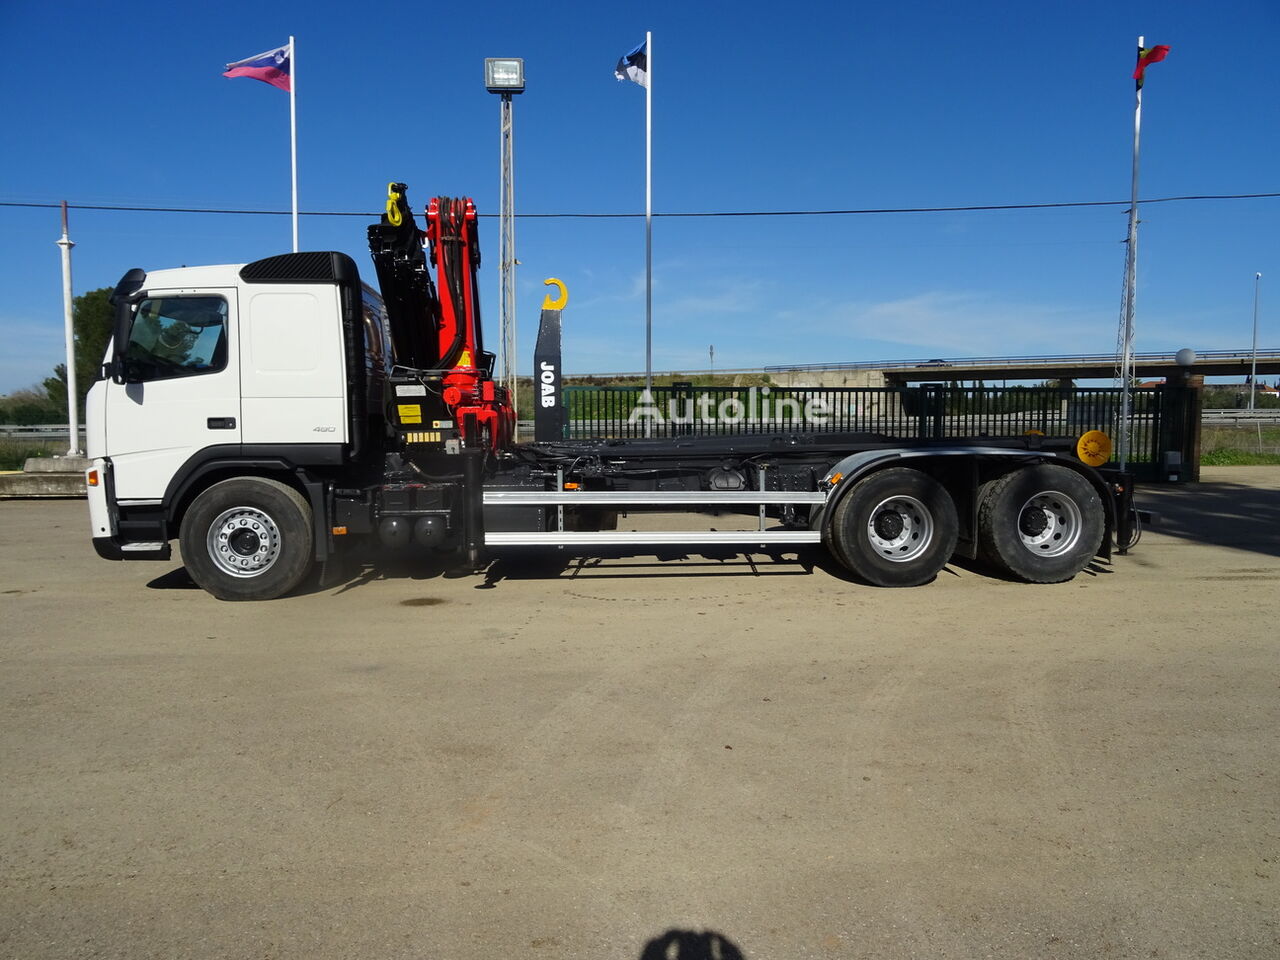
244	542
1050	524
900	528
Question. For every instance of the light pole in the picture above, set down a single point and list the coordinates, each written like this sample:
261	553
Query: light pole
505	77
1253	369
73	399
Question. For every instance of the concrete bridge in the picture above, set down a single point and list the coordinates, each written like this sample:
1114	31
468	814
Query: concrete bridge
1095	366
1208	363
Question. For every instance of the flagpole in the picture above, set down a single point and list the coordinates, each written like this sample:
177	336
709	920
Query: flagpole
293	134
1130	286
648	218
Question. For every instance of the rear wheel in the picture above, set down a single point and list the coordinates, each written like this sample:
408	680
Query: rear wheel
1040	524
896	528
248	539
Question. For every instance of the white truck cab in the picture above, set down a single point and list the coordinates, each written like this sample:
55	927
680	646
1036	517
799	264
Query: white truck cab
218	371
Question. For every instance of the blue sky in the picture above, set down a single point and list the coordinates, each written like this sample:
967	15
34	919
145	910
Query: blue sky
756	107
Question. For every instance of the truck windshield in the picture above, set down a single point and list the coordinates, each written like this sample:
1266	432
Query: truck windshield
177	337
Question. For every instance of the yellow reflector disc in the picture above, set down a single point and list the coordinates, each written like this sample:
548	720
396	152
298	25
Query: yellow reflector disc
1094	448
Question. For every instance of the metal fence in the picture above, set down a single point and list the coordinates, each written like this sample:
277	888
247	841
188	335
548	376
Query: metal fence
929	411
925	412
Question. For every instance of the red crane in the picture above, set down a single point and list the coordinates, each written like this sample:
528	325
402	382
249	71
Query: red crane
435	327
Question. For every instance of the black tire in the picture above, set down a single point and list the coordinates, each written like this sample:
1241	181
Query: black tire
896	528
1040	524
248	539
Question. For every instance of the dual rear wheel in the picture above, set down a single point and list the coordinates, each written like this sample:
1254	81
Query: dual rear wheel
1040	524
895	528
898	528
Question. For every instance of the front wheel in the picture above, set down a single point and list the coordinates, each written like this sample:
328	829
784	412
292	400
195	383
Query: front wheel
1040	524
248	539
896	528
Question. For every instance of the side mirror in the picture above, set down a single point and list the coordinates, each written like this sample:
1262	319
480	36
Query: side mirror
118	368
122	300
120	338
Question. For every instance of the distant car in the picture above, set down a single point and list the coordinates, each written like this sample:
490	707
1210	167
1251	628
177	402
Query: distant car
935	363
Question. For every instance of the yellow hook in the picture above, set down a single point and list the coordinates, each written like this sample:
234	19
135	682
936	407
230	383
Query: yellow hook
394	216
560	301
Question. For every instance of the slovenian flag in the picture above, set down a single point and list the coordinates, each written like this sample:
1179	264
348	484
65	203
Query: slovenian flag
1148	55
634	66
271	67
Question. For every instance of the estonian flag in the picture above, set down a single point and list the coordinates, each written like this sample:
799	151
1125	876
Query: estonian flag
634	66
271	67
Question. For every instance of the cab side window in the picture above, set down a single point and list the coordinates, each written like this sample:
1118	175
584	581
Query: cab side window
177	337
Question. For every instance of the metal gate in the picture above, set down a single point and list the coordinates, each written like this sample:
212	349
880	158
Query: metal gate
926	412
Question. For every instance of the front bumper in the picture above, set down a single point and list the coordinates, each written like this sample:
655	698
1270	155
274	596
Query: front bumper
138	542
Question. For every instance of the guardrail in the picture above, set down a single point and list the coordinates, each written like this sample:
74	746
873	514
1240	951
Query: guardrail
36	431
1240	417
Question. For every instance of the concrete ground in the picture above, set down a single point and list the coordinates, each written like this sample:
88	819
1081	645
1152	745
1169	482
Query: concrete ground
648	759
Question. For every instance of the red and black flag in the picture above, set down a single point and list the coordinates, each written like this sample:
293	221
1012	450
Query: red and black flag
1148	55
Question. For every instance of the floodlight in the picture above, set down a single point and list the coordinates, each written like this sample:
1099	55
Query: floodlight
504	75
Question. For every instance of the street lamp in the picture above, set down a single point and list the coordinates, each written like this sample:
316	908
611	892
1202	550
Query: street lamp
505	77
1253	370
68	312
1186	361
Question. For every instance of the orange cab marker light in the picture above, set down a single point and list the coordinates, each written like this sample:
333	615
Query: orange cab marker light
93	478
339	531
573	486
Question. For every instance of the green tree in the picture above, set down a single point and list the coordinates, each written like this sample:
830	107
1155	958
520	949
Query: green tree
92	317
29	405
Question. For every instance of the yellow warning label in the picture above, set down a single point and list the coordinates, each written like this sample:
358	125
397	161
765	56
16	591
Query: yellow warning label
409	412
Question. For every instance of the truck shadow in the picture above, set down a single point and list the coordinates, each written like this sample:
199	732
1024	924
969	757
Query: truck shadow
361	568
550	564
177	579
630	565
344	574
621	564
348	573
1217	513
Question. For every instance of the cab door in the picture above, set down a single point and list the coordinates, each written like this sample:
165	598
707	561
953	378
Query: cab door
181	392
